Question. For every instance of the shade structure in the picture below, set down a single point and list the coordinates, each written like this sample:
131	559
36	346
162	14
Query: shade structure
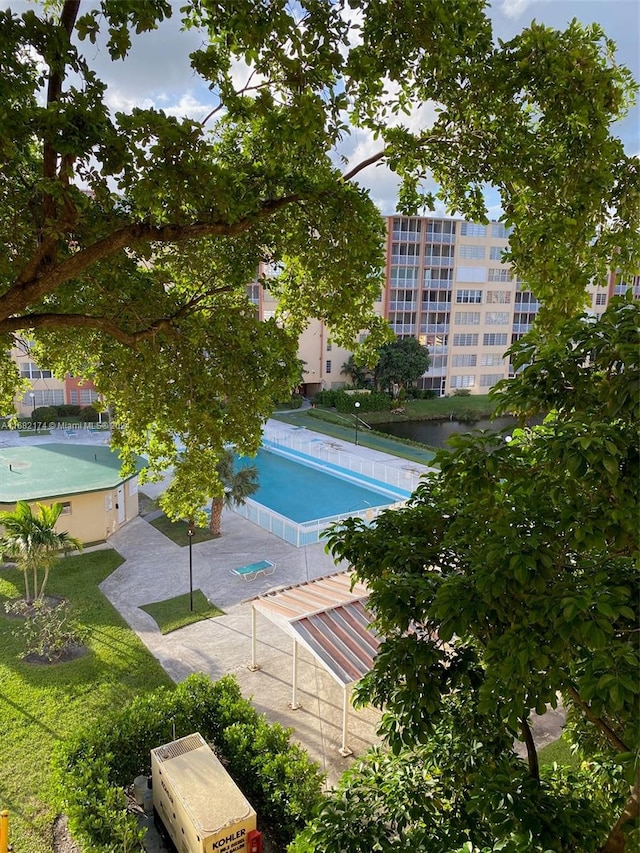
329	617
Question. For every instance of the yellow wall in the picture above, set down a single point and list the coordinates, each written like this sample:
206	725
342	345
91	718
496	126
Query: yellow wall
94	515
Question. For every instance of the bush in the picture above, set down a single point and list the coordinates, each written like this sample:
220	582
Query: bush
88	415
461	392
68	410
296	401
44	414
325	398
278	778
48	630
374	402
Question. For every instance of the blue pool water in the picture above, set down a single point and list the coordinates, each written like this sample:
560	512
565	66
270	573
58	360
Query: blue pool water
303	492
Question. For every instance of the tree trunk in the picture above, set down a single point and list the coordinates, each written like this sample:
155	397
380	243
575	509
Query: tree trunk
27	596
616	842
216	515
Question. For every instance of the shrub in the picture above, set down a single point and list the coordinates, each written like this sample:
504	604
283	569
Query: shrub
277	777
296	401
88	415
325	398
374	402
44	414
48	630
461	392
68	409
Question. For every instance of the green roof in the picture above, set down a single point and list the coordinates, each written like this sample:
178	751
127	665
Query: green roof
43	471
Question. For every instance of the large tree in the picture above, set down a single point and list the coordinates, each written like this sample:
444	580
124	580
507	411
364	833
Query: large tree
509	580
401	362
127	238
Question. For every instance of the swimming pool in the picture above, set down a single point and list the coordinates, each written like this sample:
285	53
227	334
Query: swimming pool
299	496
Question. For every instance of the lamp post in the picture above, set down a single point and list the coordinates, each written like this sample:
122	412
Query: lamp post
190	532
33	409
357	406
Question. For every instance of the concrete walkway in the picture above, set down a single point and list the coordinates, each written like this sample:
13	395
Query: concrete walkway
155	569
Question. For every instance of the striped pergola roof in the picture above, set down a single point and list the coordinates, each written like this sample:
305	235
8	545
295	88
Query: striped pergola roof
330	619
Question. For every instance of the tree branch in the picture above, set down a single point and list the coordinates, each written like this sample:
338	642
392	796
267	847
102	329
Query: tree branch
616	841
75	321
26	291
363	165
532	753
598	722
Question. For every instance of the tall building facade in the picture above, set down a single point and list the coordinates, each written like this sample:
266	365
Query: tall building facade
448	285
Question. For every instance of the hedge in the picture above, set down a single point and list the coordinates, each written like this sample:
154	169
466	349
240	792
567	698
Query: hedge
343	402
95	764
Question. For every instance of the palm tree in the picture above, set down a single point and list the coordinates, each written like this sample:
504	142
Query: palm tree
34	542
237	487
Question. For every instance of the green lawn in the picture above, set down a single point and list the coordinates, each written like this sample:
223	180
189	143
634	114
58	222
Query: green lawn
39	705
558	752
441	408
177	531
174	613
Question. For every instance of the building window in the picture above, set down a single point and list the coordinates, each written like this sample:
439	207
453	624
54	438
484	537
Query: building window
441	226
464	360
601	298
469	296
496	253
526	297
43	398
489	379
73	397
329	346
465	340
467	318
438	364
406	229
490	360
405	253
474	253
403	277
441	276
30	370
496	318
439	256
471	229
499	231
463	381
66	507
499	274
498	297
87	396
494	339
469	274
327	366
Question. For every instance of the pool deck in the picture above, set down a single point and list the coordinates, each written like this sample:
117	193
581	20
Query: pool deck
155	569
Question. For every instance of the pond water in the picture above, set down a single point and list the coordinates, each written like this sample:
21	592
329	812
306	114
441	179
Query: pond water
436	433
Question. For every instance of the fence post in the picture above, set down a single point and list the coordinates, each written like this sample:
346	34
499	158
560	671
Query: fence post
4	831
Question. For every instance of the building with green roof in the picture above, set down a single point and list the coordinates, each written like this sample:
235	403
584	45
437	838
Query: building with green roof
84	478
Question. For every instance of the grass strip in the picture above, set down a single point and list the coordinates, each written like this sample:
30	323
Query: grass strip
174	613
558	752
41	704
177	531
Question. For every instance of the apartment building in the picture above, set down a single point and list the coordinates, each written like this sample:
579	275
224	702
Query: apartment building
448	285
45	389
323	360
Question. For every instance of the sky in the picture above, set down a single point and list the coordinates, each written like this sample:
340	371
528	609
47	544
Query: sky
157	73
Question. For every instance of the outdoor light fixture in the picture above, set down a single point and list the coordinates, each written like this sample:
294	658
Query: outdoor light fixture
190	532
357	406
